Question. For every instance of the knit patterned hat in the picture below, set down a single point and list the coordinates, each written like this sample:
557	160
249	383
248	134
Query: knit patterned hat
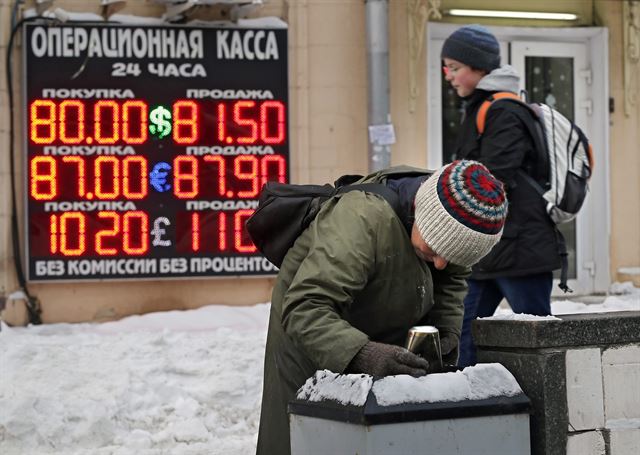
460	212
473	45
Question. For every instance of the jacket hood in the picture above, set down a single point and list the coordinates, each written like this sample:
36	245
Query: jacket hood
406	188
503	79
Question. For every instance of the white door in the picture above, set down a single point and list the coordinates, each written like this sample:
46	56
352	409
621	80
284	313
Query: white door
558	74
554	70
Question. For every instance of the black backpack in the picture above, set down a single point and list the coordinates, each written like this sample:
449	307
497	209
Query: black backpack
286	210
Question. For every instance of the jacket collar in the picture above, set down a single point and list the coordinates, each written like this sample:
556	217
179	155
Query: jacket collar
406	188
502	79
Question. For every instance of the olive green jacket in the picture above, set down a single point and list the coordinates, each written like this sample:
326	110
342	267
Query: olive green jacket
352	276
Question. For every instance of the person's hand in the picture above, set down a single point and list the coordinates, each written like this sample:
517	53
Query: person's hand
380	359
449	348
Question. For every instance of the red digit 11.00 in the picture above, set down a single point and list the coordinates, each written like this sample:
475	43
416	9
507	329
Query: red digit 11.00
240	243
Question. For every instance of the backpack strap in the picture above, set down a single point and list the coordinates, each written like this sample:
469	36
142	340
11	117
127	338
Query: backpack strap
564	256
481	117
376	188
560	241
533	126
348	179
531	181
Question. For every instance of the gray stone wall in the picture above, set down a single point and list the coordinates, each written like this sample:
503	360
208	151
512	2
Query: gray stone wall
582	374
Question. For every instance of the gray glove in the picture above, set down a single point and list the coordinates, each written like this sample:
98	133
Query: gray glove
449	348
379	359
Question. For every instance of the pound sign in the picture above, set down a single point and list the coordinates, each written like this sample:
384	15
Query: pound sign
158	231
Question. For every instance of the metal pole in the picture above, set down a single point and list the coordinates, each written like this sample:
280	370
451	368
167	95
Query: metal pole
378	75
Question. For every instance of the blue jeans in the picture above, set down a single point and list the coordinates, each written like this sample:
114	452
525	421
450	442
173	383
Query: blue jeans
528	294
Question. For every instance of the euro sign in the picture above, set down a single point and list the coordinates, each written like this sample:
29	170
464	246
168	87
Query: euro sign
158	177
159	122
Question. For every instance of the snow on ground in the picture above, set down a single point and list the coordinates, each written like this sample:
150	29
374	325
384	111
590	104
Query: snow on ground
171	383
165	383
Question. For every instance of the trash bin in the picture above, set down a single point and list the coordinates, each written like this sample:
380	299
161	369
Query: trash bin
490	426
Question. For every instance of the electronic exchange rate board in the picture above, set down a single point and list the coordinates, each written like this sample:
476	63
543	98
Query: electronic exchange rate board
147	148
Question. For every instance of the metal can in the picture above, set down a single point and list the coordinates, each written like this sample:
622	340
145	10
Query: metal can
424	340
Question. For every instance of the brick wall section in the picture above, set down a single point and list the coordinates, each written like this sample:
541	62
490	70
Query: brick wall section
582	374
584	389
588	443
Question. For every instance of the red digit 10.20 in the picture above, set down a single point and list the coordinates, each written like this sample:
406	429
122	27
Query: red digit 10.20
126	232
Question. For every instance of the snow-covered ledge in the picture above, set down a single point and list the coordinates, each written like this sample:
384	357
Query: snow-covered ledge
581	372
480	410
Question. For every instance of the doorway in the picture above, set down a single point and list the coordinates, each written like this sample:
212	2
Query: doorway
555	65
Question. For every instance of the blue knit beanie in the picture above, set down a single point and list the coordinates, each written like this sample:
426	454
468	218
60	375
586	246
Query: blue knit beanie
473	45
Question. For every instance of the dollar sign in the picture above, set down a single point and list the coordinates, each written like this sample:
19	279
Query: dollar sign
159	122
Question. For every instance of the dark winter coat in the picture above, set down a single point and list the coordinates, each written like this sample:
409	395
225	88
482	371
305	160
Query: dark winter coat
528	244
351	277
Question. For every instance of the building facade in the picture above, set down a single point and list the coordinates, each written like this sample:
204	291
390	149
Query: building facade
590	68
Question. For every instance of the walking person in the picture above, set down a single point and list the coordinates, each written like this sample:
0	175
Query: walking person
520	267
363	273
